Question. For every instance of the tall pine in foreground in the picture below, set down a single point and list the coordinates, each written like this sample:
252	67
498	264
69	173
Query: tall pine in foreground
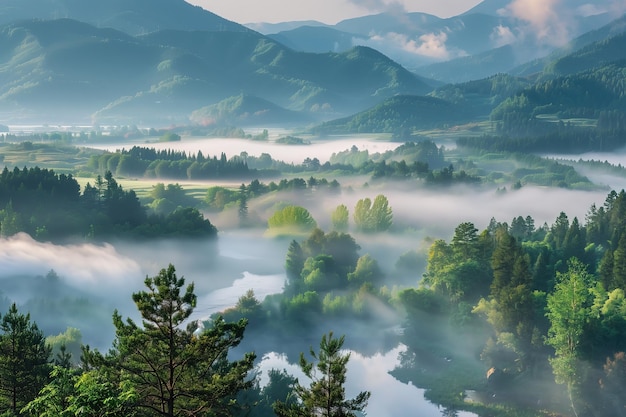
325	396
175	371
24	356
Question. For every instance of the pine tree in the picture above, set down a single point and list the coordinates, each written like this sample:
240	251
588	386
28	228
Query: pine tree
24	356
178	371
325	397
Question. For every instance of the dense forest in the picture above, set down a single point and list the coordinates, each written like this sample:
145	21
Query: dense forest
535	306
50	206
519	317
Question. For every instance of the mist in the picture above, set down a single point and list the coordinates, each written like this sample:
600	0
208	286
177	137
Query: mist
320	149
96	279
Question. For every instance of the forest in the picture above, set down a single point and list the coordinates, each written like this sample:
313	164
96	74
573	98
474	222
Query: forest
306	234
538	308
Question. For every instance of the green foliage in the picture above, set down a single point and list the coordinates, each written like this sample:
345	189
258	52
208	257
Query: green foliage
169	137
160	353
291	220
56	209
69	341
242	110
24	361
168	198
401	115
219	197
366	271
340	217
326	394
568	312
91	394
373	218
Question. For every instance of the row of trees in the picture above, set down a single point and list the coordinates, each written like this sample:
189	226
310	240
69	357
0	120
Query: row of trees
47	205
164	368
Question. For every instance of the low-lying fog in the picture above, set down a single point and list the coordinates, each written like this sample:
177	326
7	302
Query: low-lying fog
320	149
95	279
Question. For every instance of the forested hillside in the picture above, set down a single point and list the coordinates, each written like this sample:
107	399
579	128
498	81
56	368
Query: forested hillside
66	69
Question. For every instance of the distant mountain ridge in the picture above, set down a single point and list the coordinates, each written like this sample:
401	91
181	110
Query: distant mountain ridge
423	43
584	87
64	68
131	16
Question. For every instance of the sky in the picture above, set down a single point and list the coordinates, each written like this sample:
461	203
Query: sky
326	11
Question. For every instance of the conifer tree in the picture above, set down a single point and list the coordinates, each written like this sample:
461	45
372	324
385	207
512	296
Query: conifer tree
325	396
177	371
24	356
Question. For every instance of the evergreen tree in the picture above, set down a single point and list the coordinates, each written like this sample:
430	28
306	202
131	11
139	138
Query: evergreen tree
175	371
243	206
325	397
24	356
293	266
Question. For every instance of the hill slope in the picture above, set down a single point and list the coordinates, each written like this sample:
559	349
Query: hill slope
130	16
69	69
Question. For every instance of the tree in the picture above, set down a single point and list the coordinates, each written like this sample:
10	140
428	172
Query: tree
24	356
325	396
292	219
340	218
373	217
243	206
568	312
382	215
175	371
366	271
362	214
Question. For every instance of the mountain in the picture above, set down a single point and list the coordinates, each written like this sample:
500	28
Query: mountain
131	16
613	28
585	88
318	39
75	71
400	115
272	28
244	111
474	67
416	40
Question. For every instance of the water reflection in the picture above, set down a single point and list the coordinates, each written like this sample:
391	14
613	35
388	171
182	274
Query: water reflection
223	298
390	397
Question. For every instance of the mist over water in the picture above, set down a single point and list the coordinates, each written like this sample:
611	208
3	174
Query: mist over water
102	277
320	149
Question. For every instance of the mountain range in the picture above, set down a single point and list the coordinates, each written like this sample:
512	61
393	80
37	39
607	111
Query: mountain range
417	40
163	62
73	71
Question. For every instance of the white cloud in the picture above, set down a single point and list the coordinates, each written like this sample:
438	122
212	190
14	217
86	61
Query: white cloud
434	45
502	35
549	21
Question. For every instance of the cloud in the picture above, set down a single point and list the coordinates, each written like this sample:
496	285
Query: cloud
617	8
429	47
549	21
434	45
502	35
87	266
